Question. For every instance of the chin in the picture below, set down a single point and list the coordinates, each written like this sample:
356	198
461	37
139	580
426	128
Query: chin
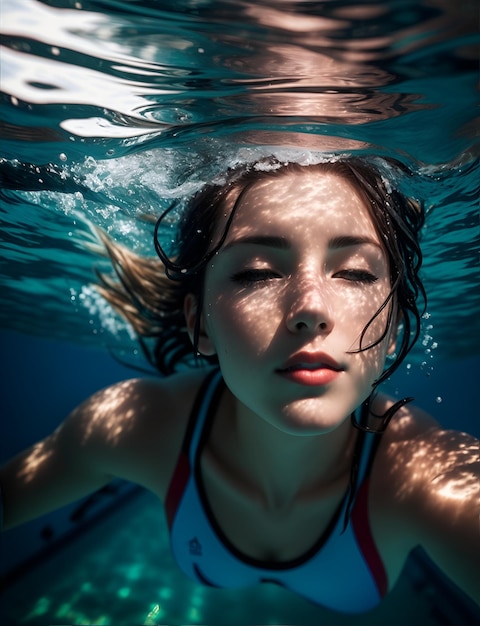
305	417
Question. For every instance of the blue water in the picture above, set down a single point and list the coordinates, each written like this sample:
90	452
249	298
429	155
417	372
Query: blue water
111	109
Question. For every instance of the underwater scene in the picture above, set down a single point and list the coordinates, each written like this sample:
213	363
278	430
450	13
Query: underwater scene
113	110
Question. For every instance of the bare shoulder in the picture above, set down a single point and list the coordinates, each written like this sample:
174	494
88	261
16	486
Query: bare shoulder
131	430
417	455
425	490
137	426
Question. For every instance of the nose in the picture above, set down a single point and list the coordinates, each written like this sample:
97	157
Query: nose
310	308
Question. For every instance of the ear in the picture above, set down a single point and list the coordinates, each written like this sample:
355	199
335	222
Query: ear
190	310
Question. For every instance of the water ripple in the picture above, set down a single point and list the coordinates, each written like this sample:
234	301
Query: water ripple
109	109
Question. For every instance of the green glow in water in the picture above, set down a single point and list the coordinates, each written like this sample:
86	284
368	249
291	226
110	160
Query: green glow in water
166	593
41	607
134	572
124	592
194	614
63	610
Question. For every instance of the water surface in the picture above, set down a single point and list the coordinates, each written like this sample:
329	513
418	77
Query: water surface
111	109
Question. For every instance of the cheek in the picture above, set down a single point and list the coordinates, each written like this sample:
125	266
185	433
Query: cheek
362	312
242	321
371	360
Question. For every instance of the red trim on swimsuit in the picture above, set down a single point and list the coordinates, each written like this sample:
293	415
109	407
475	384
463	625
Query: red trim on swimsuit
366	543
177	487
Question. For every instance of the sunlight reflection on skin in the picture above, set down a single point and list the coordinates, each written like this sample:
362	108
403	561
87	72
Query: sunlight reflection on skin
112	417
39	455
463	485
444	463
108	415
315	208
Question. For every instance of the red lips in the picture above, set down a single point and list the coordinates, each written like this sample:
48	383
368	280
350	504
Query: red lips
311	368
311	359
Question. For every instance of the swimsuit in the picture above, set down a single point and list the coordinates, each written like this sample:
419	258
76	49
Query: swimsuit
342	570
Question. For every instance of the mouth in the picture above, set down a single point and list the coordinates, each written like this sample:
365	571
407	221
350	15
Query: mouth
311	369
311	361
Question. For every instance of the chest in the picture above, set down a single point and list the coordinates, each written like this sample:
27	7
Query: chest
268	530
269	533
225	543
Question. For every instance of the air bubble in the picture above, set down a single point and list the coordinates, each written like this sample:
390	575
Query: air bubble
439	399
62	156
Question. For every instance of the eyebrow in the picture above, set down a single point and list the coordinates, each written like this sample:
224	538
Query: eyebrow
346	241
282	243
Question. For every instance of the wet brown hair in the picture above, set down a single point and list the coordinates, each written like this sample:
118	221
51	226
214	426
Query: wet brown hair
150	292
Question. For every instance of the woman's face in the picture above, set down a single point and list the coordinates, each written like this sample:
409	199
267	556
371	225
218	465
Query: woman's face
301	273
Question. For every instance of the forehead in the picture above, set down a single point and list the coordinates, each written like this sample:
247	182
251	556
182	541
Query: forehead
312	199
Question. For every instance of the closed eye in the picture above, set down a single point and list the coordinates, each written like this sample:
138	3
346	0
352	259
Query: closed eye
254	277
356	276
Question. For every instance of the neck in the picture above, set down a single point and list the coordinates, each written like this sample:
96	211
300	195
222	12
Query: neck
280	468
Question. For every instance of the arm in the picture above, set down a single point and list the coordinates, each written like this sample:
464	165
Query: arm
427	483
449	506
109	435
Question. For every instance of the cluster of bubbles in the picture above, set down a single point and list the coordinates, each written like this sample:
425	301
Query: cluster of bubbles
103	317
428	346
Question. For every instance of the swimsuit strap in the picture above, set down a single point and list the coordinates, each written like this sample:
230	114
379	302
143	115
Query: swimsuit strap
205	402
339	567
364	453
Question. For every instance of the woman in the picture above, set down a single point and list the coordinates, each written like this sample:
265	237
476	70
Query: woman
276	458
